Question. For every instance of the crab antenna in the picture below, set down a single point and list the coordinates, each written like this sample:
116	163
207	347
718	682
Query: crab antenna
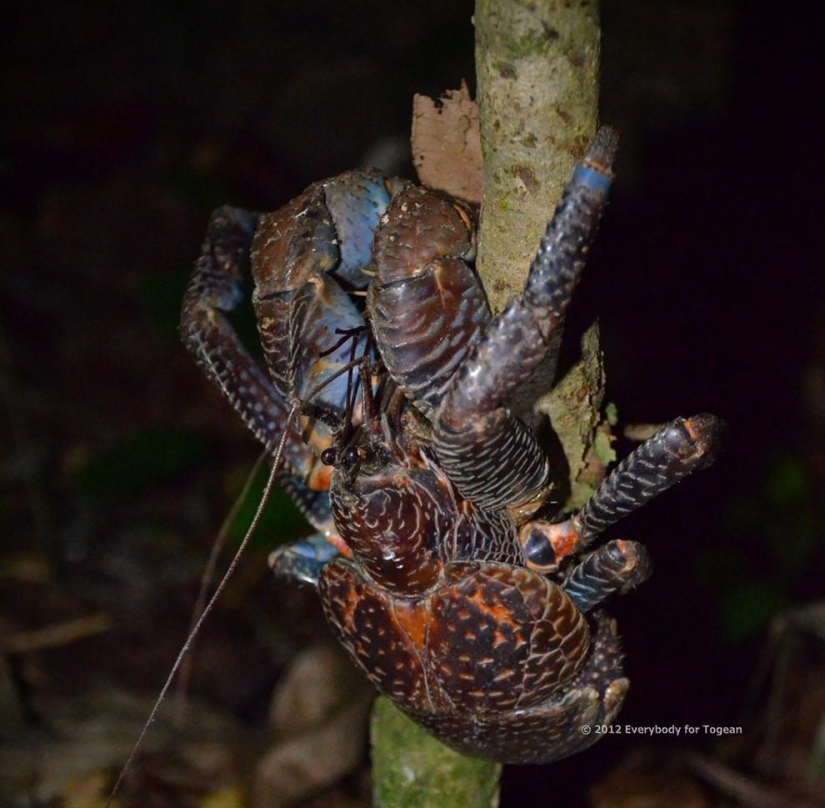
206	579
352	382
328	416
273	475
347	334
365	376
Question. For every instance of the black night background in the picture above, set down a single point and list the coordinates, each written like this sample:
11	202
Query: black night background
124	125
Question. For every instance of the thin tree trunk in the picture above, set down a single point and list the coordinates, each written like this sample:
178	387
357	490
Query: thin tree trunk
537	66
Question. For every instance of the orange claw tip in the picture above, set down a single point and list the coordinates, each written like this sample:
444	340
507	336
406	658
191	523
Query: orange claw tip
565	537
708	433
602	151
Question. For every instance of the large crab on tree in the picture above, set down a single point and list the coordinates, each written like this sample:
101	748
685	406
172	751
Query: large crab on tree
437	559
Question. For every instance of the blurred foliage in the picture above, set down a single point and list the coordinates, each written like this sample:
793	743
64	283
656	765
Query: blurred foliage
770	538
280	522
142	460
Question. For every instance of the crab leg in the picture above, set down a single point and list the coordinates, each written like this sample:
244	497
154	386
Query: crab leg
615	567
679	448
310	327
302	561
426	304
213	291
490	455
299	254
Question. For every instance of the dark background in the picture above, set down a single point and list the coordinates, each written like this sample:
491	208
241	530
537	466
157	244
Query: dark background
123	125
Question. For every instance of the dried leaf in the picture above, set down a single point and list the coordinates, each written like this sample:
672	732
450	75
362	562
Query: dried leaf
319	713
446	144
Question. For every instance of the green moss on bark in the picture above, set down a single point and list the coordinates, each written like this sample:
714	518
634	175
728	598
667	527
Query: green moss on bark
537	67
412	769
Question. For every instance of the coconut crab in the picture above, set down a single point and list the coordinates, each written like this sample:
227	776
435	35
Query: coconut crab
437	559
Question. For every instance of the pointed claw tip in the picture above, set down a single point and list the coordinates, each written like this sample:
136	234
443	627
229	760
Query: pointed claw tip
702	437
602	151
708	431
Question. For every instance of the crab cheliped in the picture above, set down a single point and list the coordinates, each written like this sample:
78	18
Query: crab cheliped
437	559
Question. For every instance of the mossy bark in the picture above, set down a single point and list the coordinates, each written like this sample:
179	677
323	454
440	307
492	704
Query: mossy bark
537	66
411	769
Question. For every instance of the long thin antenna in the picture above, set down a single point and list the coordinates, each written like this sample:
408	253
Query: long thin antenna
206	579
221	586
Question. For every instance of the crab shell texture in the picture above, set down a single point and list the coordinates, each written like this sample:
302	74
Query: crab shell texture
430	559
439	611
492	662
435	603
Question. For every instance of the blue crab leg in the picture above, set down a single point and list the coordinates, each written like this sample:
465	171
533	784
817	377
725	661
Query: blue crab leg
299	255
615	567
683	446
302	561
213	291
491	456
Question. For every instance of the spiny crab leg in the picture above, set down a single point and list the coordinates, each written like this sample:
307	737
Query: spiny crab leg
213	291
615	567
683	446
491	456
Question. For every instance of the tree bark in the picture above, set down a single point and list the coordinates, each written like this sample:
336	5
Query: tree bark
537	66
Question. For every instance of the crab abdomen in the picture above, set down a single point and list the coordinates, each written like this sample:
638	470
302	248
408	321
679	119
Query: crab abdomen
491	640
556	728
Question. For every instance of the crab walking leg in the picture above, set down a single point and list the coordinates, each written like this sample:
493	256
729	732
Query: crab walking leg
683	446
303	561
490	455
616	567
301	307
214	290
426	304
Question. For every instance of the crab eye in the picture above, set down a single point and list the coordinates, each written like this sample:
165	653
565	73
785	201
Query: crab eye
539	553
329	457
352	455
